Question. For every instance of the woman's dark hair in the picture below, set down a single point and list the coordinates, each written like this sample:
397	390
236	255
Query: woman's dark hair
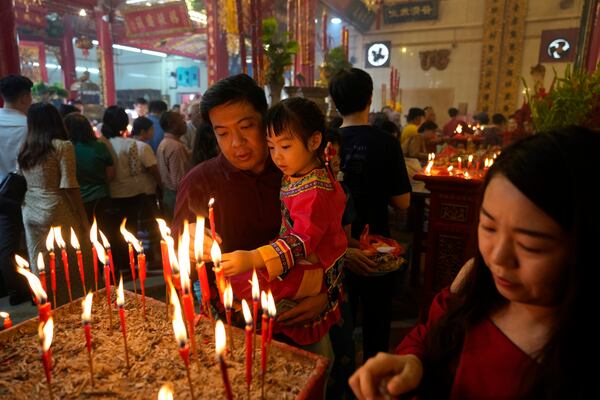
66	109
427	126
79	128
114	121
43	125
298	116
233	89
205	144
169	120
351	90
553	170
141	124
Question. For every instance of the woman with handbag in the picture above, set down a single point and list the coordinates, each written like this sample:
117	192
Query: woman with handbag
47	161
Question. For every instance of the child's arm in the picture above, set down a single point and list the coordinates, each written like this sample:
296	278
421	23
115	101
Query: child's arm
241	261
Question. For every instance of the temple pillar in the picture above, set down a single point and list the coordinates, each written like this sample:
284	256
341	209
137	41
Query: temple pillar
106	62
9	49
67	54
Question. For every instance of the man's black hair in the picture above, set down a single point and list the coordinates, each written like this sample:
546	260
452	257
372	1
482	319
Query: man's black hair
498	119
140	100
351	90
157	107
414	113
14	86
427	126
233	89
452	112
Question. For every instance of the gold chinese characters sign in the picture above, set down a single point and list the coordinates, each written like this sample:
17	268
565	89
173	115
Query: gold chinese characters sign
159	20
412	10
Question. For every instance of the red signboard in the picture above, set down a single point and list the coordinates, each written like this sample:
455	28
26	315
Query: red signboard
158	20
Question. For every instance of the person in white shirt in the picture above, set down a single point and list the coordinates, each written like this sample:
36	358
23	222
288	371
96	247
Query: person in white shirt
16	92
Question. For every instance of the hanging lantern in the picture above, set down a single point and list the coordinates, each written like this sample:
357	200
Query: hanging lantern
84	44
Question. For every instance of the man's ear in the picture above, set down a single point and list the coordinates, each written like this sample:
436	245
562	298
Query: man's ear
315	140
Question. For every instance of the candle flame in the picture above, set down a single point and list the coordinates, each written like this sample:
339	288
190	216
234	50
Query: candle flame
100	252
486	163
40	262
491	163
74	241
4	314
94	231
264	301
178	324
459	160
459	129
34	281
120	294
50	240
228	296
166	392
58	237
450	168
105	241
215	254
129	238
220	338
199	239
211	202
86	316
247	312
165	231
183	251
271	305
428	168
470	158
46	333
255	287
467	176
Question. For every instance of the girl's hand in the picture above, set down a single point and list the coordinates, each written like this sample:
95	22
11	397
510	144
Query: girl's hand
239	261
404	373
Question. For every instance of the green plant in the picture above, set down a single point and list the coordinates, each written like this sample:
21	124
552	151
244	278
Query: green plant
572	100
279	51
40	89
335	60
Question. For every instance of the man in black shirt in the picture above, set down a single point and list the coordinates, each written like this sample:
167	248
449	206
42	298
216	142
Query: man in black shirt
375	173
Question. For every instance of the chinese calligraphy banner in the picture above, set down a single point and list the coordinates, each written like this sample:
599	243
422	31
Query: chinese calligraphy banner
413	10
159	20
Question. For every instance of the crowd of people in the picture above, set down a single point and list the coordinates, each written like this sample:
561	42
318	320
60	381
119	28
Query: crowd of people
293	208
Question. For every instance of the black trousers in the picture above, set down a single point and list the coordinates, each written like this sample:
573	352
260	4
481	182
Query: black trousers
375	295
11	236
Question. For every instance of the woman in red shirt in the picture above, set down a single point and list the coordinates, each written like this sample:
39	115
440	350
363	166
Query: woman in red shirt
515	325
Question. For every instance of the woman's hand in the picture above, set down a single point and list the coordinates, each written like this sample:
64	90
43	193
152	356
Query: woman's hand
239	261
359	263
307	310
404	373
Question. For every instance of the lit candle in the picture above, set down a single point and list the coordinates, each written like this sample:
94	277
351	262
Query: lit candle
121	304
165	392
478	164
86	318
428	168
264	332
200	266
228	303
249	321
104	260
41	298
459	163
165	232
450	168
486	164
50	247
42	270
131	243
46	332
272	314
7	321
65	259
142	266
255	300
215	253
106	245
75	245
94	239
220	339
184	274
459	129
181	336
211	218
470	163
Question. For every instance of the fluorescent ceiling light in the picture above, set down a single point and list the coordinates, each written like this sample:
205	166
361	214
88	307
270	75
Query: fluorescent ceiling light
126	48
82	13
90	70
154	53
336	20
95	42
198	17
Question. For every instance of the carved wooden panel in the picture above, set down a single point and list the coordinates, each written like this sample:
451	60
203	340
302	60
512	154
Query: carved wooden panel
450	258
454	212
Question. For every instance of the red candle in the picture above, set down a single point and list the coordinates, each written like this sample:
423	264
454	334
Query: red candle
211	218
142	267
121	304
264	332
42	271
41	298
53	276
108	297
7	321
459	163
132	266
272	314
220	339
200	266
228	303
248	318
215	253
106	244
255	300
181	336
164	252
470	161
93	240
131	242
46	332
65	259
86	317
75	245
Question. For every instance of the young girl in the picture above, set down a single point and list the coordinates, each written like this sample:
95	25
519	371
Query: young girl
515	323
305	259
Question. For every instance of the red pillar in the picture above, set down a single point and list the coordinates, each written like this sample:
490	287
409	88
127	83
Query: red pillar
67	54
106	58
9	50
216	46
594	48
